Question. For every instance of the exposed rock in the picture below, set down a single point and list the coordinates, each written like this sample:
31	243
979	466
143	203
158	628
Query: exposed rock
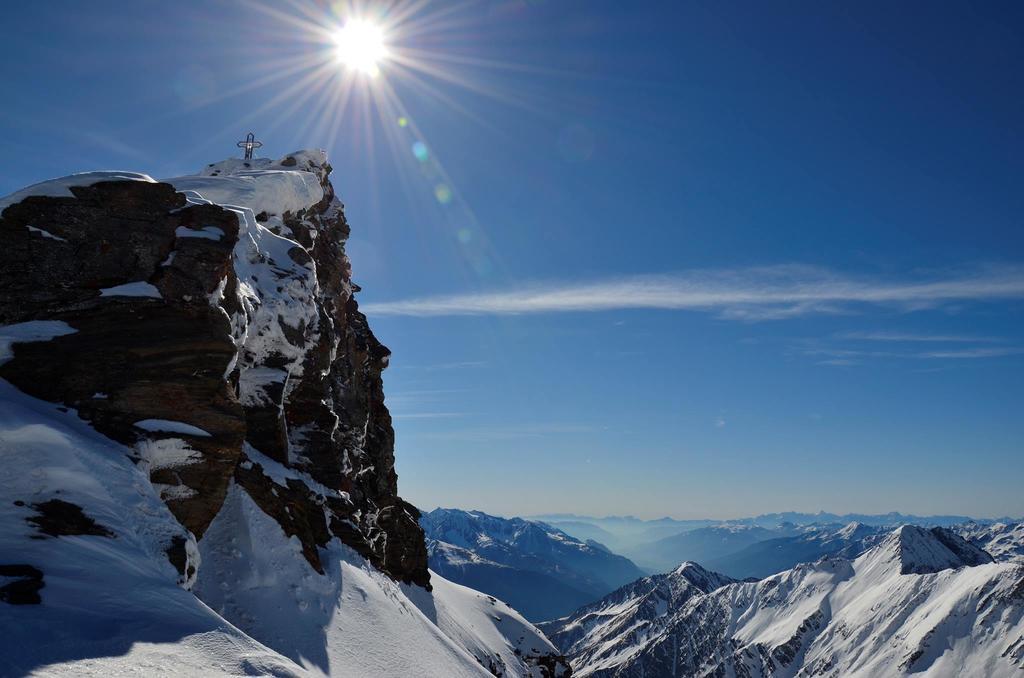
183	558
58	518
151	358
24	590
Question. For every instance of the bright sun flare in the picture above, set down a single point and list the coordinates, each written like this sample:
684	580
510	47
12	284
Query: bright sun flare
360	46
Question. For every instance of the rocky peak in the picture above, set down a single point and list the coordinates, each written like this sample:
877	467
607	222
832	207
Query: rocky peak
213	329
705	580
918	550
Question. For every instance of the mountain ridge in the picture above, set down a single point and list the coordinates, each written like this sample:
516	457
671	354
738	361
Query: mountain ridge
920	601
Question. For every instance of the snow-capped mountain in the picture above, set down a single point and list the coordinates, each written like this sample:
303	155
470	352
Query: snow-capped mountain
1003	541
198	472
603	633
921	602
540	570
537	595
765	558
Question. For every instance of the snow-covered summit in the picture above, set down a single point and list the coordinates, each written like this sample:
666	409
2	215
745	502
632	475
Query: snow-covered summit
918	550
703	579
269	188
60	187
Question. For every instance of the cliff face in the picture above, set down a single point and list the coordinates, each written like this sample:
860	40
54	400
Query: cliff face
220	344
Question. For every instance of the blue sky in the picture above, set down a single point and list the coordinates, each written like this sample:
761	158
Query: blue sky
660	258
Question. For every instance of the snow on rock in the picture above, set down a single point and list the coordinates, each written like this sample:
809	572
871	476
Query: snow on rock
277	291
260	184
208	232
277	286
132	289
33	330
46	234
167	426
165	453
61	186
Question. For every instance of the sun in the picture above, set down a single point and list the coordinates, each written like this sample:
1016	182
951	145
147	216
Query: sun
360	45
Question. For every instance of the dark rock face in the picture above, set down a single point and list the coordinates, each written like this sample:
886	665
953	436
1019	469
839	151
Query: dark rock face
24	590
131	358
966	552
58	518
177	357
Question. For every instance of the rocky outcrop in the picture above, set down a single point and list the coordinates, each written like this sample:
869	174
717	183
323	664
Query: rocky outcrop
219	348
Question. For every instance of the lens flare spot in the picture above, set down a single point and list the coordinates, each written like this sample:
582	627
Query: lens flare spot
403	122
443	194
464	235
419	149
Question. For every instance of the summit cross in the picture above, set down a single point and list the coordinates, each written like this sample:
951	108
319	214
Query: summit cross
249	144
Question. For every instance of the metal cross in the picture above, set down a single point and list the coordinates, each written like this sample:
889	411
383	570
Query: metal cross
249	144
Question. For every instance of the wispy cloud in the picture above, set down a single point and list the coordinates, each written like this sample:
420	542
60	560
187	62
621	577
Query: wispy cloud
905	337
767	293
971	353
845	357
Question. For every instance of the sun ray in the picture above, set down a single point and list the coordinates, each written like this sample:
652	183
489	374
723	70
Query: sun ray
343	74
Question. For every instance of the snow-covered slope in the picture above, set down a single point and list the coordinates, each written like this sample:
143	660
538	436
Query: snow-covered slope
353	620
538	595
541	570
190	399
921	602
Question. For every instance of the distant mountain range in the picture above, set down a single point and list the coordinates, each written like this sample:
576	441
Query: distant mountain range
538	569
768	557
745	547
703	544
920	601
